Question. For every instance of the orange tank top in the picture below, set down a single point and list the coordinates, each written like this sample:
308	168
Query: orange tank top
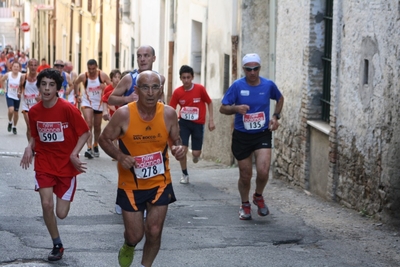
147	141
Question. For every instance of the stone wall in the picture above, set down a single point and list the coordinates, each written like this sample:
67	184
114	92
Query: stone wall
363	145
367	110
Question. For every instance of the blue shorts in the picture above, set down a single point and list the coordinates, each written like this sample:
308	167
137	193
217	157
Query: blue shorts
136	200
243	144
195	130
11	102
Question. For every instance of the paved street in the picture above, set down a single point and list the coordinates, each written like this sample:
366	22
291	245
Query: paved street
202	228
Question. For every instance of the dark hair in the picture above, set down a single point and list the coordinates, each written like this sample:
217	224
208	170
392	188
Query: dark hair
152	50
51	74
186	69
114	72
125	73
92	62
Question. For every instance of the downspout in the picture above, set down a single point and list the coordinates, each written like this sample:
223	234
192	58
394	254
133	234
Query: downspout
37	37
101	36
71	30
54	29
117	36
171	45
80	42
48	19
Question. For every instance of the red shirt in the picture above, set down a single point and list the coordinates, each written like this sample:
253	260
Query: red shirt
56	131
42	67
194	99
106	95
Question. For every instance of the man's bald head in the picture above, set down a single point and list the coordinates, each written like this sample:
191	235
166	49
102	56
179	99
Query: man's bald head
147	75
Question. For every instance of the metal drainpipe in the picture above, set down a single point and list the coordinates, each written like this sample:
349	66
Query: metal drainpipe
54	19
117	36
80	43
101	36
48	37
71	31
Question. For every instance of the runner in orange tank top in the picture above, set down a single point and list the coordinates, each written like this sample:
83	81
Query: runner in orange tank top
146	129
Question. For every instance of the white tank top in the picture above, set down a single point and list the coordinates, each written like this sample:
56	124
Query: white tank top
13	85
30	94
92	95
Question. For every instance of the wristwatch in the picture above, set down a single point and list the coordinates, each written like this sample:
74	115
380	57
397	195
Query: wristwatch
277	115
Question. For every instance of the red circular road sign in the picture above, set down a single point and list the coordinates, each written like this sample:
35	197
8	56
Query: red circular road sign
25	27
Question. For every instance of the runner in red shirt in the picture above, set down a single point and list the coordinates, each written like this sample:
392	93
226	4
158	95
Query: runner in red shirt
43	65
58	133
108	110
192	99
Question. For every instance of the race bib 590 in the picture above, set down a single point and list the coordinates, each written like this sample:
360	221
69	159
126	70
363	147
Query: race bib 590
50	131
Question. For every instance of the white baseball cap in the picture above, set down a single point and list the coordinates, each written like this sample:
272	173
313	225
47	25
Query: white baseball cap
253	57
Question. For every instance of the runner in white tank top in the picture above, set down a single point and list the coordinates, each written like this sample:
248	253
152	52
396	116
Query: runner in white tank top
13	85
94	81
92	94
13	95
30	92
30	95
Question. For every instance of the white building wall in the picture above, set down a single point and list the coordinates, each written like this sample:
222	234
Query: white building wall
148	27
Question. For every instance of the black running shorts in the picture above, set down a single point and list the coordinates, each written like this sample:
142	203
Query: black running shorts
243	144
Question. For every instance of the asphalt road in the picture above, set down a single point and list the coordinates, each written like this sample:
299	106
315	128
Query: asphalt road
202	228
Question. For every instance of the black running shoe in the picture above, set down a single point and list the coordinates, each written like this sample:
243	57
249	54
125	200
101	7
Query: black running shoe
14	130
88	153
9	127
56	253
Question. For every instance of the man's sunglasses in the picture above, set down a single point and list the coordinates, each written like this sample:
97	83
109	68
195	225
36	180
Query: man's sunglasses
58	65
248	69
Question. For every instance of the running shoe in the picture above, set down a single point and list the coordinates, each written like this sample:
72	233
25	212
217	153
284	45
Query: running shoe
9	127
262	208
118	209
88	153
125	255
14	130
245	212
196	159
56	253
184	179
96	152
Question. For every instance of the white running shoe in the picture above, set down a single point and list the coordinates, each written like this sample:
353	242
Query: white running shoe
184	179
118	209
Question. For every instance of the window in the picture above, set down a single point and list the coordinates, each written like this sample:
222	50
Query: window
326	61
